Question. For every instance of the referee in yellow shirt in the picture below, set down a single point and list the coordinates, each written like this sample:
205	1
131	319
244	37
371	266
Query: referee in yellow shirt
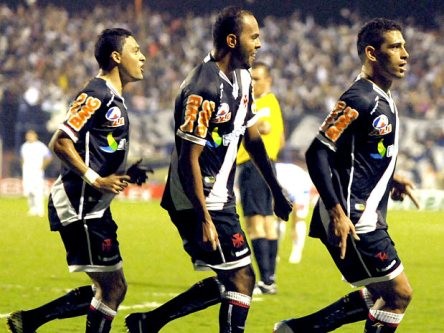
255	196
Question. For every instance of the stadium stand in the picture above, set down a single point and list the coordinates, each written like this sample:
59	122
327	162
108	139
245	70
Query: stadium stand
45	56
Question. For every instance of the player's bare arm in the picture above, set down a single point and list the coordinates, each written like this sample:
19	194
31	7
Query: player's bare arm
64	148
191	179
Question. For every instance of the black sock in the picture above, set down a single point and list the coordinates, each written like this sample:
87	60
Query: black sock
200	296
73	304
349	309
261	253
99	317
233	312
273	251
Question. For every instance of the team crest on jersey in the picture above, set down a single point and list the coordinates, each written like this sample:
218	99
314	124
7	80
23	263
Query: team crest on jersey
223	114
114	117
113	145
381	126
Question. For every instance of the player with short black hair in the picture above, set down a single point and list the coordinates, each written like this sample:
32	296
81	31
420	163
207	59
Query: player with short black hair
213	111
92	143
352	162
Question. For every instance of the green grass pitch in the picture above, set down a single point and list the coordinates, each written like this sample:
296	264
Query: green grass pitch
33	271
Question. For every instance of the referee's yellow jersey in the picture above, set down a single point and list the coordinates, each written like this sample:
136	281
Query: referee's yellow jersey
269	110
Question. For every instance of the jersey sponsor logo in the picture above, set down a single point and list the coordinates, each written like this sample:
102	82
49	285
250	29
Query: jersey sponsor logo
81	110
113	146
223	114
381	126
195	103
338	120
114	117
217	139
383	151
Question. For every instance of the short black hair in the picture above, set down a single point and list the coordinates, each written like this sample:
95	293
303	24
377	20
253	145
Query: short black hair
372	33
228	21
108	41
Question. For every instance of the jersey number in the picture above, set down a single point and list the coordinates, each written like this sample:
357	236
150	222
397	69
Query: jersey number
338	120
192	114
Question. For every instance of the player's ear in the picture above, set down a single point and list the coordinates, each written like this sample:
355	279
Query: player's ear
370	53
231	41
115	56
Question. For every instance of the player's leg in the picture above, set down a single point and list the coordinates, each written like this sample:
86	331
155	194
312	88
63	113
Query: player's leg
256	231
75	303
272	235
387	313
298	232
256	200
111	288
235	304
201	295
348	309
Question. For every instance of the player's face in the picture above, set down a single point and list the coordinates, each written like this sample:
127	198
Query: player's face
392	56
132	61
249	41
261	81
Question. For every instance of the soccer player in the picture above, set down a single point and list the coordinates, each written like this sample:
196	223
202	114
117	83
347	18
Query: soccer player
213	111
297	185
352	162
256	197
35	157
93	144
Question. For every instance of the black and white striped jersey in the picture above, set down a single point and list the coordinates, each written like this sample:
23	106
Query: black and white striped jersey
97	122
362	132
213	112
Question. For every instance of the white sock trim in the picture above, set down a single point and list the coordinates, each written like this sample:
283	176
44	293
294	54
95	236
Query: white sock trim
367	297
387	317
105	309
238	298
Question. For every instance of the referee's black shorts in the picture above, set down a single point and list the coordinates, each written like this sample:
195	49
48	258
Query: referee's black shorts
255	195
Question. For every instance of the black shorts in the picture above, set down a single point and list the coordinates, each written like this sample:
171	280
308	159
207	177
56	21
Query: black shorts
255	195
371	259
234	245
91	245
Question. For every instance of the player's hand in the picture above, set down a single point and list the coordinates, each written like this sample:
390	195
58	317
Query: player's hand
138	173
113	183
282	206
402	187
340	227
210	237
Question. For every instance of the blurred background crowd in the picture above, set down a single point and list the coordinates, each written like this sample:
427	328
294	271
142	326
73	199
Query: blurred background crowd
46	56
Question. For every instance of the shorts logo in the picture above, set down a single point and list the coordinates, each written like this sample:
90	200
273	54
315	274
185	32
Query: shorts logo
381	126
238	240
114	117
107	245
383	256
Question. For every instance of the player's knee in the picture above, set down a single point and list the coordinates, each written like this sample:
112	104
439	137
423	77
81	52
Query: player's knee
241	280
400	298
404	295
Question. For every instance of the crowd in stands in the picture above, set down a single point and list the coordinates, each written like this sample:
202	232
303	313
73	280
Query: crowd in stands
46	54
